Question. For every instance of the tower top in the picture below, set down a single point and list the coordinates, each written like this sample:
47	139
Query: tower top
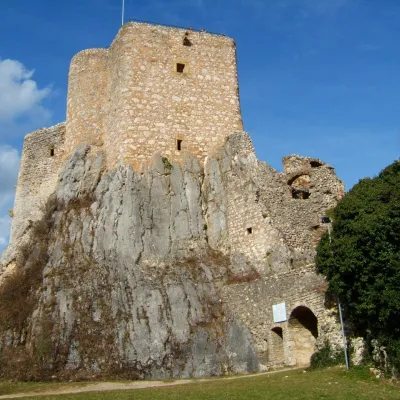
157	88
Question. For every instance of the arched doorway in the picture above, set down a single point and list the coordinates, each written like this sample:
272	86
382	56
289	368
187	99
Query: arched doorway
303	328
275	352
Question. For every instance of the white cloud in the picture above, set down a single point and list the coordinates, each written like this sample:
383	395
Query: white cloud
9	164
21	111
5	225
19	93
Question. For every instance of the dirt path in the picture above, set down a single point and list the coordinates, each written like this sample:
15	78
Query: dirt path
109	386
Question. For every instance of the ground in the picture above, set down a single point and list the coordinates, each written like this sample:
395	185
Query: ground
335	383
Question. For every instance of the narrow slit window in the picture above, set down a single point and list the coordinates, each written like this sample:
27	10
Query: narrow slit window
179	144
180	68
249	231
52	152
186	41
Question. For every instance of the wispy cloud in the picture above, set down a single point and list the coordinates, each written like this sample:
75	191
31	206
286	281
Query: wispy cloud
19	93
21	110
279	9
9	164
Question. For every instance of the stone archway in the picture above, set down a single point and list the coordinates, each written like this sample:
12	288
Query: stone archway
276	353
303	329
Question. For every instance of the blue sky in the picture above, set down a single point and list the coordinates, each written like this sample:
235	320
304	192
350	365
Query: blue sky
317	77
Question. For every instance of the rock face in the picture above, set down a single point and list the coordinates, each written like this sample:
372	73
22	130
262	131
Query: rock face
171	271
130	283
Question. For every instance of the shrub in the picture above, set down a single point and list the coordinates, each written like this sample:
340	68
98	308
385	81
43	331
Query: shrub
326	357
18	291
362	260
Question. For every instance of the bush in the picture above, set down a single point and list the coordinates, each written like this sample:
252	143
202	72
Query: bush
326	357
18	291
362	260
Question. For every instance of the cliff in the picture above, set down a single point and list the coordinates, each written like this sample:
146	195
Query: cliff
167	272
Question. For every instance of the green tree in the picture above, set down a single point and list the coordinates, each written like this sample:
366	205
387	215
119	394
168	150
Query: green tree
362	264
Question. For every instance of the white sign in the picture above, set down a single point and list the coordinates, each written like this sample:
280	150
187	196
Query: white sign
279	311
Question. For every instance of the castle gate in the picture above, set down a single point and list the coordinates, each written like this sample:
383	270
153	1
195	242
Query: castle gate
276	354
303	330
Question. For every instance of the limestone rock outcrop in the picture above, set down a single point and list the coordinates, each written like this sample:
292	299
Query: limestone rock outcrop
170	271
130	283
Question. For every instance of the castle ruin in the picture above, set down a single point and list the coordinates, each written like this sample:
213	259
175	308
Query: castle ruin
167	92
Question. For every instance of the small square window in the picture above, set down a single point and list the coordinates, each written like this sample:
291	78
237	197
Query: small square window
180	68
249	231
179	144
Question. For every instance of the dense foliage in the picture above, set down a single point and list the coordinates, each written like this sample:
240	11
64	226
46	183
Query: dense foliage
362	263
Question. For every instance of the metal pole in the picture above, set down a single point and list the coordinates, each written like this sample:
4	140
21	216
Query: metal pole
344	336
329	233
123	11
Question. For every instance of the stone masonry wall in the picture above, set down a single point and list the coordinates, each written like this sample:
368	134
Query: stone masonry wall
251	235
253	303
266	225
273	233
87	100
134	94
312	189
41	161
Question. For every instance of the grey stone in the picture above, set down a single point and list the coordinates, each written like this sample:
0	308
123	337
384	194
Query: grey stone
137	286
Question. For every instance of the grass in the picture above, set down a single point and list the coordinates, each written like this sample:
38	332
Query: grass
334	383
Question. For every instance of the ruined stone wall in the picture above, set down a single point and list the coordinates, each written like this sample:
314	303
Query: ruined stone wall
137	95
271	238
265	224
253	303
309	187
87	100
252	237
42	158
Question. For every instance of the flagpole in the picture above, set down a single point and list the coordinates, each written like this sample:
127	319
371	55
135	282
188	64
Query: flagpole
123	11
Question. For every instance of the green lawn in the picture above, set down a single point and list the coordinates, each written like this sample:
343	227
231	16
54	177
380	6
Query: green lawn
294	385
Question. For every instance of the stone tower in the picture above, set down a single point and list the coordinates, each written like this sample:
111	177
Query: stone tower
156	88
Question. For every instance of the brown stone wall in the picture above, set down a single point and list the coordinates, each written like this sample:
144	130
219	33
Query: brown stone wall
253	303
251	233
266	224
271	231
153	105
134	95
42	158
309	187
87	101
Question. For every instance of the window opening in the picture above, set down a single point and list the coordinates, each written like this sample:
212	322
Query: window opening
179	144
186	41
315	164
249	231
52	152
300	194
276	353
180	68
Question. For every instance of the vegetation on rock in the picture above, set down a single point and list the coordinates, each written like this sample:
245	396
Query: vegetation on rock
326	357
